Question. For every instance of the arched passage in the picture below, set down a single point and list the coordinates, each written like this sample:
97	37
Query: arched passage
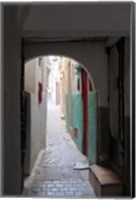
66	56
91	54
80	104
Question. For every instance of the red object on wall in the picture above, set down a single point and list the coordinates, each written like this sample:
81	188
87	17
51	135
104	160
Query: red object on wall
85	111
39	92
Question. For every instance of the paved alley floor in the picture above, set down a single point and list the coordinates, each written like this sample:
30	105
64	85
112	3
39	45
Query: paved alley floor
53	174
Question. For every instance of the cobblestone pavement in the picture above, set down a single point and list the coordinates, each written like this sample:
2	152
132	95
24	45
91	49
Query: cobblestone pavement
53	174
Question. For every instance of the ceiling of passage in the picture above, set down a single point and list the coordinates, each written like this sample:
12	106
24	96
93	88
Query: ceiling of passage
77	20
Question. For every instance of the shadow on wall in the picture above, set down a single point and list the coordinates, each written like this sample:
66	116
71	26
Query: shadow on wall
35	130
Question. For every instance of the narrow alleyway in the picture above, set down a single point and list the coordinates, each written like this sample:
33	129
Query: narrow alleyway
54	174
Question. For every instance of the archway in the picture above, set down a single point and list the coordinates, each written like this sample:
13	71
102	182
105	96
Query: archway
79	97
87	53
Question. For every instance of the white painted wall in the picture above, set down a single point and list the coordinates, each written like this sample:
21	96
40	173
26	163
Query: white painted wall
30	76
37	127
35	73
46	72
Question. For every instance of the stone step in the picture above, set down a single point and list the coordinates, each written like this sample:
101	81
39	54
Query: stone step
105	182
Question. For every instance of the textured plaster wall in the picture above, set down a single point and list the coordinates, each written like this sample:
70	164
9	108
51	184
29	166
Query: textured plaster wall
64	87
36	130
66	114
37	127
36	116
30	76
77	122
38	75
46	71
92	126
77	119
